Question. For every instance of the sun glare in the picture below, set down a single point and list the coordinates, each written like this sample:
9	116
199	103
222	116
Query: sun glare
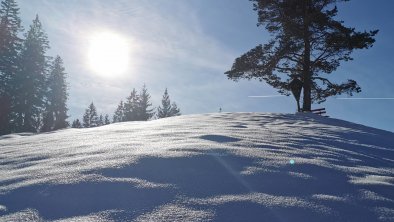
108	54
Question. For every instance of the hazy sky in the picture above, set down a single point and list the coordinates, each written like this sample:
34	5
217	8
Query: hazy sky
187	45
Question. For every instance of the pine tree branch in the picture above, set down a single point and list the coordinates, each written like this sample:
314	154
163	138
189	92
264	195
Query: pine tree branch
287	69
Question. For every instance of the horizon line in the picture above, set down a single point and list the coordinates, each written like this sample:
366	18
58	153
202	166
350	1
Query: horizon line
368	98
268	96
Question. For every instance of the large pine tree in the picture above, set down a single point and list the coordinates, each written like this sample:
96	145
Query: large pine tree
307	43
31	79
167	109
90	118
10	46
56	108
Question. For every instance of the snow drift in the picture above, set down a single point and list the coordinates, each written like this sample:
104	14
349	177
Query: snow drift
211	167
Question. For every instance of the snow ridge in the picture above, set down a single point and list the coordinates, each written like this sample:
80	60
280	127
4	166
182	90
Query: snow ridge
209	167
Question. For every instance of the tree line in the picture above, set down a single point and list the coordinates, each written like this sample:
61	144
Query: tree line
33	88
136	107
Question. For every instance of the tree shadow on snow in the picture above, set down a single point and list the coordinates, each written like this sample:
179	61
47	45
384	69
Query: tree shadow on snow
220	138
201	176
70	200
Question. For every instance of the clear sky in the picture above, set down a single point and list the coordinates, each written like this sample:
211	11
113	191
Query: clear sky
187	45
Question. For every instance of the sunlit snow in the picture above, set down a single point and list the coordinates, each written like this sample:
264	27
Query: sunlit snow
210	167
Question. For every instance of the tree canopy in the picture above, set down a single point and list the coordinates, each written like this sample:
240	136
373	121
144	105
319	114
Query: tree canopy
307	43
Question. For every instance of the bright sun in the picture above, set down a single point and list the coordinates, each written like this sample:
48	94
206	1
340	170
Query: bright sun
108	54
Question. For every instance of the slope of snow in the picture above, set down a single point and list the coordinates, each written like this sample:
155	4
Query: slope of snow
211	167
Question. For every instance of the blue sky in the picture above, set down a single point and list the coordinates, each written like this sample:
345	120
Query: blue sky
188	45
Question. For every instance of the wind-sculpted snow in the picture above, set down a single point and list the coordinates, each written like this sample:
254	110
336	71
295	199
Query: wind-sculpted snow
211	167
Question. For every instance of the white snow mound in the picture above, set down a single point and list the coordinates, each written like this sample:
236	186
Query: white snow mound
210	167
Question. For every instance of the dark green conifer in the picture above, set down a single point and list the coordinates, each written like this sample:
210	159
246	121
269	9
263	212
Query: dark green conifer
55	116
10	46
30	81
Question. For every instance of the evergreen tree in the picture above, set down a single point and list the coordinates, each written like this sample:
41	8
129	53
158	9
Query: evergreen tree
30	80
56	108
307	42
119	115
144	104
106	120
48	120
175	111
131	107
90	118
167	108
10	46
163	112
101	120
76	124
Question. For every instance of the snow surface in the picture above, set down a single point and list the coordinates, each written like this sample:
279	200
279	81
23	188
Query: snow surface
210	167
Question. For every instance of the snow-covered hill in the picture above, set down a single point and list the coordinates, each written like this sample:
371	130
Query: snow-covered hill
219	167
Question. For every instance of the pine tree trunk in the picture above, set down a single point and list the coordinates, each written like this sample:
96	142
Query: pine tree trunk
307	103
5	108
